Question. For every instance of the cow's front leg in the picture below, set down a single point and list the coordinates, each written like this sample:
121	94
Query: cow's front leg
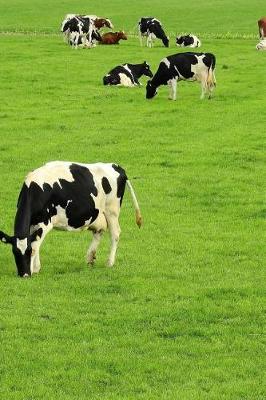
172	83
91	254
35	264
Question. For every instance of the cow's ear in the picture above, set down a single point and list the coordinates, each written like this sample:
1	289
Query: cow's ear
36	235
6	238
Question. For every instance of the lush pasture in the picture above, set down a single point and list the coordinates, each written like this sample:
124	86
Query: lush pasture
180	316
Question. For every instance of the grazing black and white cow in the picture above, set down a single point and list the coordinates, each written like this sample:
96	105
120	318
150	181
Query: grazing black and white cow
79	30
68	196
152	28
184	67
188	41
127	74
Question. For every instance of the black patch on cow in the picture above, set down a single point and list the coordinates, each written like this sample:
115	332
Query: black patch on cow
121	181
74	197
106	185
186	40
209	60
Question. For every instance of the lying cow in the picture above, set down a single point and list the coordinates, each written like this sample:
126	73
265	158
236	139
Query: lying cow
152	28
188	41
127	74
262	27
184	67
113	37
261	45
68	196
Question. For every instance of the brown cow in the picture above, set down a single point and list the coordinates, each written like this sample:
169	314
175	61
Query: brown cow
113	37
262	27
103	22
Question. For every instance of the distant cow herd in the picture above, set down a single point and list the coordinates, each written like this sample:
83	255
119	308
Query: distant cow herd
84	31
73	196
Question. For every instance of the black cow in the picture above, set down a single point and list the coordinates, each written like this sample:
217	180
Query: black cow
188	41
187	67
127	74
68	196
152	28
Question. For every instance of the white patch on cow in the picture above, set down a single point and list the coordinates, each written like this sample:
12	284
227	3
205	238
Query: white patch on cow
125	80
198	68
129	71
166	62
261	45
22	245
196	41
50	173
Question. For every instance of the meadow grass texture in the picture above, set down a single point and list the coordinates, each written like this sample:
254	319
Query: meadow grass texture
182	313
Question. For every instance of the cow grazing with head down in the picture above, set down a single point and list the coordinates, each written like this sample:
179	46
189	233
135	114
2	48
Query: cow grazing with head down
262	27
184	66
152	29
113	37
68	196
188	41
127	74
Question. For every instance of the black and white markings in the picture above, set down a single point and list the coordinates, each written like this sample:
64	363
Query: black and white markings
68	196
187	67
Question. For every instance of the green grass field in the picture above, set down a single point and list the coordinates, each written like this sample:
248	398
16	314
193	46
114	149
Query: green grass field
182	313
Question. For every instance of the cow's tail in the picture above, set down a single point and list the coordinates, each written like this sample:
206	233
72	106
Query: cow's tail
211	80
136	204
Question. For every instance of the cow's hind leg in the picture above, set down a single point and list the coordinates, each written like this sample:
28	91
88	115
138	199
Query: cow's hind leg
91	254
204	85
114	229
35	264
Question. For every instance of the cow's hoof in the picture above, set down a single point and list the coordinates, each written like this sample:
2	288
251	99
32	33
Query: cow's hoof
109	264
91	259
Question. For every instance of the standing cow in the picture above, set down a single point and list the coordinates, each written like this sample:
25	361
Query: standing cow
184	67
68	196
152	28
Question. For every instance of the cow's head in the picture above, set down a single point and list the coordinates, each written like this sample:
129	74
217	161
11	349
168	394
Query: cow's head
108	23
121	35
180	41
150	90
22	250
146	70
